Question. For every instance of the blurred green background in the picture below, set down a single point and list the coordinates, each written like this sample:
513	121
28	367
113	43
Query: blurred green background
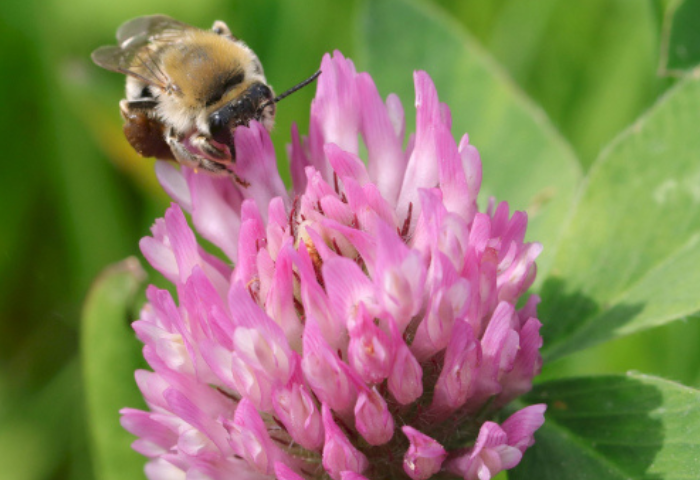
75	197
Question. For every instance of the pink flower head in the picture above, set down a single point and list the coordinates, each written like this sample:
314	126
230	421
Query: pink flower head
361	324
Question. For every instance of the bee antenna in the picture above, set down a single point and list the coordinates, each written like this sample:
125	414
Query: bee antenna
296	87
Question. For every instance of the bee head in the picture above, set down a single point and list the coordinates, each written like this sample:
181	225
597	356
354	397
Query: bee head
241	109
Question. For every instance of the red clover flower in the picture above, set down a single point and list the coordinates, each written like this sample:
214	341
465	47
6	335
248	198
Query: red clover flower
368	329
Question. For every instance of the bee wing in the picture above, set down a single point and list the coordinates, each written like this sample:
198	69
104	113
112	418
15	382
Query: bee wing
135	55
130	62
141	31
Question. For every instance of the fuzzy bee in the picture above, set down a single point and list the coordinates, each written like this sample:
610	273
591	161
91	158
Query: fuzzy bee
188	89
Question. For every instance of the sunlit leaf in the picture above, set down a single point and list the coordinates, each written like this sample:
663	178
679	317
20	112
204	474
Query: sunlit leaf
614	428
630	258
591	65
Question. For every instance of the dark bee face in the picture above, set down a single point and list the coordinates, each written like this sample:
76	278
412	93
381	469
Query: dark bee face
241	111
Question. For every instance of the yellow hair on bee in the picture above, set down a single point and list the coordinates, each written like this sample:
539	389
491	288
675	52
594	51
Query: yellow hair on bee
203	65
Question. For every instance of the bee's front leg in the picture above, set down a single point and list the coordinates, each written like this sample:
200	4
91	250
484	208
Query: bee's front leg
219	154
214	150
189	159
181	153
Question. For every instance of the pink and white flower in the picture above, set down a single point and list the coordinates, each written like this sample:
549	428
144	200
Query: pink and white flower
368	318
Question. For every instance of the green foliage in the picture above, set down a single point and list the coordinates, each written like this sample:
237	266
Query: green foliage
629	258
590	65
110	356
681	42
614	428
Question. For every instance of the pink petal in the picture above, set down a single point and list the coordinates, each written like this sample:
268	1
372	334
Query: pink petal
279	304
482	461
191	412
385	158
399	276
347	286
259	341
295	407
370	350
283	472
336	105
527	364
372	418
327	375
424	457
317	305
339	454
156	438
406	377
447	303
256	164
252	239
249	439
458	198
348	475
298	161
422	169
395	111
522	425
216	204
499	345
460	370
160	469
174	184
345	164
278	226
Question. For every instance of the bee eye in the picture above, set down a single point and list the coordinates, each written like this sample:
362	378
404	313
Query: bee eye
219	119
260	92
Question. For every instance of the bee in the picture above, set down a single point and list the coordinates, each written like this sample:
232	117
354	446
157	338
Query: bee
188	89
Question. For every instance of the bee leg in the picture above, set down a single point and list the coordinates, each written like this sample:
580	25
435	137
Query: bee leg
144	131
220	170
134	107
240	181
191	160
214	168
204	144
181	154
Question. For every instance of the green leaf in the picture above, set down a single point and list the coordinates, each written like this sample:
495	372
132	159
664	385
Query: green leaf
630	257
681	37
614	428
31	426
590	65
525	161
110	355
